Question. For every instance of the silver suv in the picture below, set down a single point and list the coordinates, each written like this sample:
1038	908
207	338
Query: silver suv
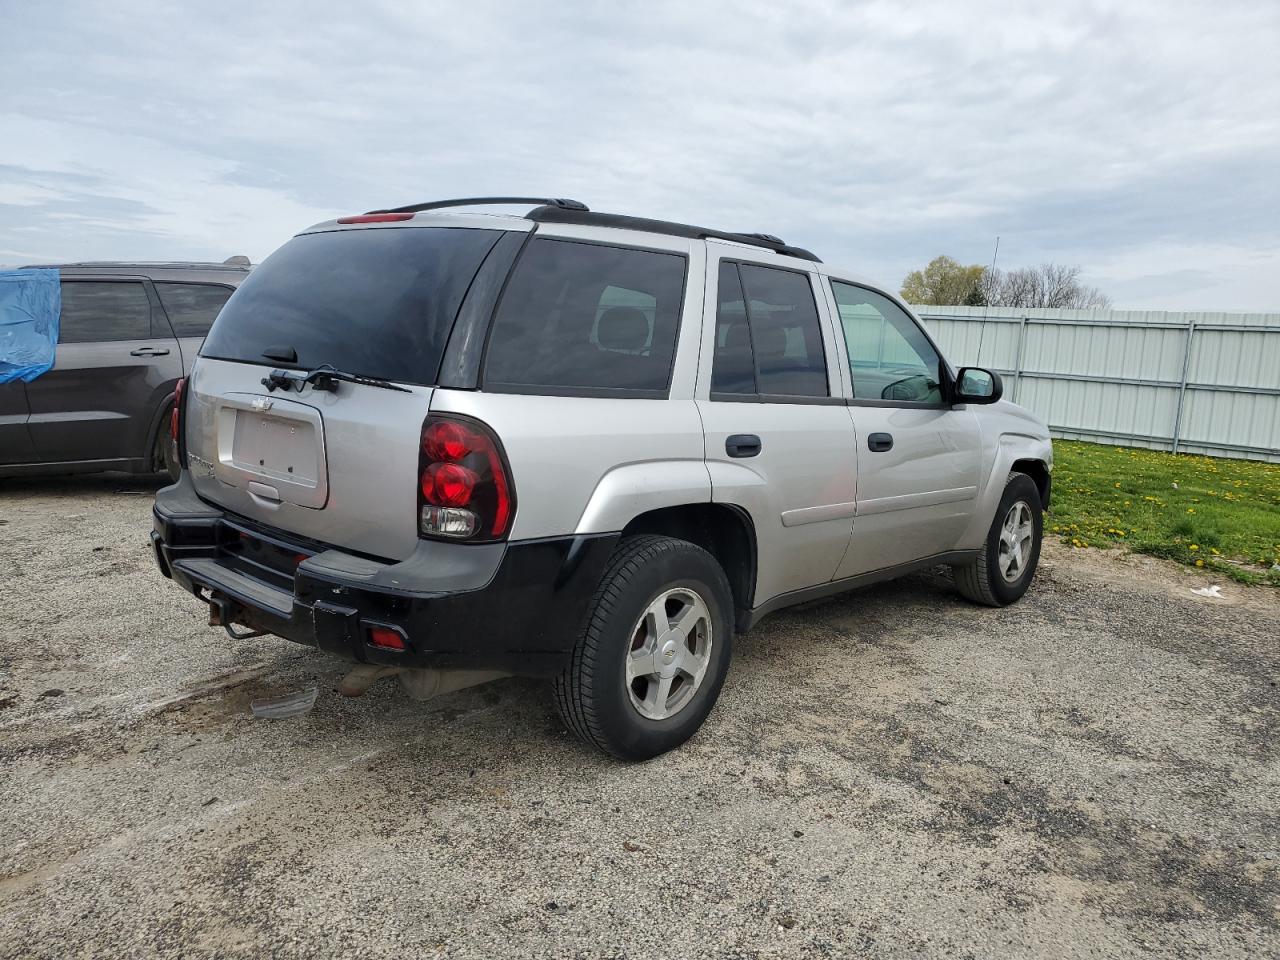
582	446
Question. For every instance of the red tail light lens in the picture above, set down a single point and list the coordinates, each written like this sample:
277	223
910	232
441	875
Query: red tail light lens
446	440
386	638
464	484
376	218
177	408
448	484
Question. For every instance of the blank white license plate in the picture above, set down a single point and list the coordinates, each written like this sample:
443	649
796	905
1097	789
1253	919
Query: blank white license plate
276	447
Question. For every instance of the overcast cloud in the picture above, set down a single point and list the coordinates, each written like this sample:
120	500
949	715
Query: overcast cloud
1140	140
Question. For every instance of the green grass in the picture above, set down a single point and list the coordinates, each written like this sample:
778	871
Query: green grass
1200	511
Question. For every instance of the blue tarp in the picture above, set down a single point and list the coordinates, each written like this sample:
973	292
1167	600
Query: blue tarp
30	301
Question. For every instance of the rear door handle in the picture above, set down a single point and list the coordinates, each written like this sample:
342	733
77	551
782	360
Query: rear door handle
741	445
879	442
150	352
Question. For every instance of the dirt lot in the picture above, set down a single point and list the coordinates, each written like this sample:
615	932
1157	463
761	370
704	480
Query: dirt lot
1092	773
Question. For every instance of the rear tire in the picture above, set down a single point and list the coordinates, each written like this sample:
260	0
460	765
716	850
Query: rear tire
655	650
1006	564
164	455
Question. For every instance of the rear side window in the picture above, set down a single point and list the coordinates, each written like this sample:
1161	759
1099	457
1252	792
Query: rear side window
94	310
379	302
733	369
587	318
192	307
768	337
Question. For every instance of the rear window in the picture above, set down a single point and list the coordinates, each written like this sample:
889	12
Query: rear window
377	302
587	318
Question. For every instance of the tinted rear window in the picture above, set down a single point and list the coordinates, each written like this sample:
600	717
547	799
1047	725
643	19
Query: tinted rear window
587	318
377	302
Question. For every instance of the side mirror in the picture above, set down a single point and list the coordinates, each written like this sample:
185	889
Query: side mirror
976	385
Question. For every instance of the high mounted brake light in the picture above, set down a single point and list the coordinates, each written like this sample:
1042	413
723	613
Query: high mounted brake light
464	485
376	218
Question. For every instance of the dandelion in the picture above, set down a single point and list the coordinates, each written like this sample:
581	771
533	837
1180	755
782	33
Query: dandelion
1199	563
1194	546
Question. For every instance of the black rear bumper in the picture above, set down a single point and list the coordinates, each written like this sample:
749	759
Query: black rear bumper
516	607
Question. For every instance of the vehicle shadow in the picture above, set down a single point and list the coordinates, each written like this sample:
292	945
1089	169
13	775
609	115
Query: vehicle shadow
84	484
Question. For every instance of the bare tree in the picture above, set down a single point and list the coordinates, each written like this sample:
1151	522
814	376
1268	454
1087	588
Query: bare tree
1048	285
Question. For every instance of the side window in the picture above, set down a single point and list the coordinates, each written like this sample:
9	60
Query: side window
95	310
192	307
733	369
582	316
768	338
889	356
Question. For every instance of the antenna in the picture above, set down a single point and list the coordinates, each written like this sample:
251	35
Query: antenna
982	331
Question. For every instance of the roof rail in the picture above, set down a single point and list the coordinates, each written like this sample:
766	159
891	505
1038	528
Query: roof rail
560	204
231	263
554	213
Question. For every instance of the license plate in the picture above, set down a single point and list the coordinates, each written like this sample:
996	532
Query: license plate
276	447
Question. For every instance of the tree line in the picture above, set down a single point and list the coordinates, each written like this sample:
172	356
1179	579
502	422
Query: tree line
945	281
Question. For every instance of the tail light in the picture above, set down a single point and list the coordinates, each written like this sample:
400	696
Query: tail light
177	408
464	483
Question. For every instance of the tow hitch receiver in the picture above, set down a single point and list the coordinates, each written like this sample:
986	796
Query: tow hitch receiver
222	613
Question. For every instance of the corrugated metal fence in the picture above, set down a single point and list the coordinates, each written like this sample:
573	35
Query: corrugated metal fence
1190	382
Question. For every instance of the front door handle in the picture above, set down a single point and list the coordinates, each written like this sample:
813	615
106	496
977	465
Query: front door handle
741	445
879	442
150	352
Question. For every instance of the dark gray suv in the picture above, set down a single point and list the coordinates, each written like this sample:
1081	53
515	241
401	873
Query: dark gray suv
128	333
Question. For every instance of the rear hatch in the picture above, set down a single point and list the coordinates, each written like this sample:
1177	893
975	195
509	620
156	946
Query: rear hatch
336	465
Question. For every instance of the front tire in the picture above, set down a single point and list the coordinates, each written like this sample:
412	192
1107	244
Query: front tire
1006	564
654	652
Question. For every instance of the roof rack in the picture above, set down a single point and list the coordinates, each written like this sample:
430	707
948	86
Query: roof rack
572	211
560	204
550	213
237	262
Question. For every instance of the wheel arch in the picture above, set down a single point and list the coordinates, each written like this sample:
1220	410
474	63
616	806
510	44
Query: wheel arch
1038	471
1014	452
158	423
724	530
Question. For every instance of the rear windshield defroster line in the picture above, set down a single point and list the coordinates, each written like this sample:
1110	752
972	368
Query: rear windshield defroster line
376	302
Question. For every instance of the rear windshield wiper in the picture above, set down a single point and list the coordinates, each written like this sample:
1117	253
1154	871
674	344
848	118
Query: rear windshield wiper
323	377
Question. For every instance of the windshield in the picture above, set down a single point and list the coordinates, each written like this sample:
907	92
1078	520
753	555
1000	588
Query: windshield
378	302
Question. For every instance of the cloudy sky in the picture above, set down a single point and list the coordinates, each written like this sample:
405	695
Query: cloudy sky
1140	140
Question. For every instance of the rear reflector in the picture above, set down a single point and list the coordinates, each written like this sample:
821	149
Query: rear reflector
385	638
377	218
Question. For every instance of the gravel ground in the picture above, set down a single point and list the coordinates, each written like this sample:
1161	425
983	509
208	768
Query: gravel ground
1092	773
